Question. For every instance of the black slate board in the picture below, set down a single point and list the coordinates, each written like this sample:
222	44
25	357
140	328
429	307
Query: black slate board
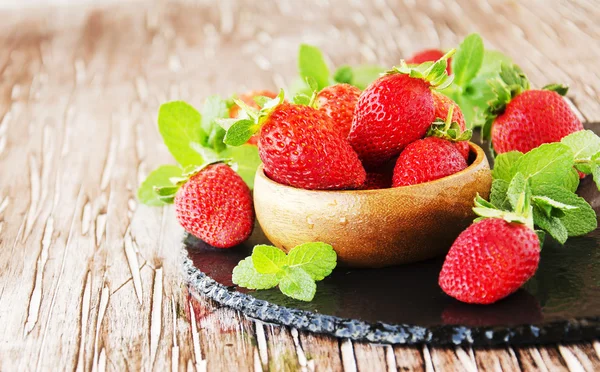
404	304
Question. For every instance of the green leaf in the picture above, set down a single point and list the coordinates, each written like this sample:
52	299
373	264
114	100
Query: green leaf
268	259
246	161
312	64
301	99
572	181
518	192
549	163
180	127
498	194
297	283
317	259
595	171
584	144
364	75
578	221
543	201
240	132
552	225
343	75
214	108
503	165
245	275
160	177
558	88
468	59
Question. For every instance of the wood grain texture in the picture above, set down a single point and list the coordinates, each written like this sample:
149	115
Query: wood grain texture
90	280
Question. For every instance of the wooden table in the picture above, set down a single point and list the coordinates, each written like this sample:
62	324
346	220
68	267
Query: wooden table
91	280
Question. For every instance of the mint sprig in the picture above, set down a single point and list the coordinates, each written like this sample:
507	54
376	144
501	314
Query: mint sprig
473	66
295	273
545	180
194	139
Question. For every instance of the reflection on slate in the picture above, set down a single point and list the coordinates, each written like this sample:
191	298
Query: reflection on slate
561	302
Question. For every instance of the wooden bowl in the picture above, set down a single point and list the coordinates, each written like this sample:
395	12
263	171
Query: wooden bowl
374	228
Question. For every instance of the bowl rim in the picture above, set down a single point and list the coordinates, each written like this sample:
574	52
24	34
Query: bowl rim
479	159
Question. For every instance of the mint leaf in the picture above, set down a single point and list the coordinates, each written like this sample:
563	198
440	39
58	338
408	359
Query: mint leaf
364	75
578	221
297	283
268	259
311	64
552	225
503	165
245	275
343	75
159	177
544	201
584	144
595	169
317	259
246	161
240	132
549	163
498	194
180	128
518	192
468	59
214	108
572	181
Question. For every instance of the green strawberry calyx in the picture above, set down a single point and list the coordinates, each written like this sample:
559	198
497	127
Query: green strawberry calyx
561	89
523	213
432	72
240	130
166	194
510	82
306	100
448	129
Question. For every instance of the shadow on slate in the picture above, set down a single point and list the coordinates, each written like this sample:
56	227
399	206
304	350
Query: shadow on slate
404	304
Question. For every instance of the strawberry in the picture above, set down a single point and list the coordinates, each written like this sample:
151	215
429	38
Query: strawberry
490	260
300	147
248	99
427	160
338	101
429	55
442	105
395	110
522	119
377	180
215	205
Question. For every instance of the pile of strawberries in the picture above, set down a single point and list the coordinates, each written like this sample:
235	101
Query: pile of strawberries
399	131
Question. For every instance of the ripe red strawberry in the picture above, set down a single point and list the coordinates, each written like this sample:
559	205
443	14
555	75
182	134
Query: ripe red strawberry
299	147
215	205
338	101
442	104
532	118
429	55
393	111
248	98
522	119
378	180
490	260
427	160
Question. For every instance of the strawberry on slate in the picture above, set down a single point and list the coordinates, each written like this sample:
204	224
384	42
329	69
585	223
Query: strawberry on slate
490	260
521	119
427	160
338	101
429	55
215	205
299	146
443	105
395	110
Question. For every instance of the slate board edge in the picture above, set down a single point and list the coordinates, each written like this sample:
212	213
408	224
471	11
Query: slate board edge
357	330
